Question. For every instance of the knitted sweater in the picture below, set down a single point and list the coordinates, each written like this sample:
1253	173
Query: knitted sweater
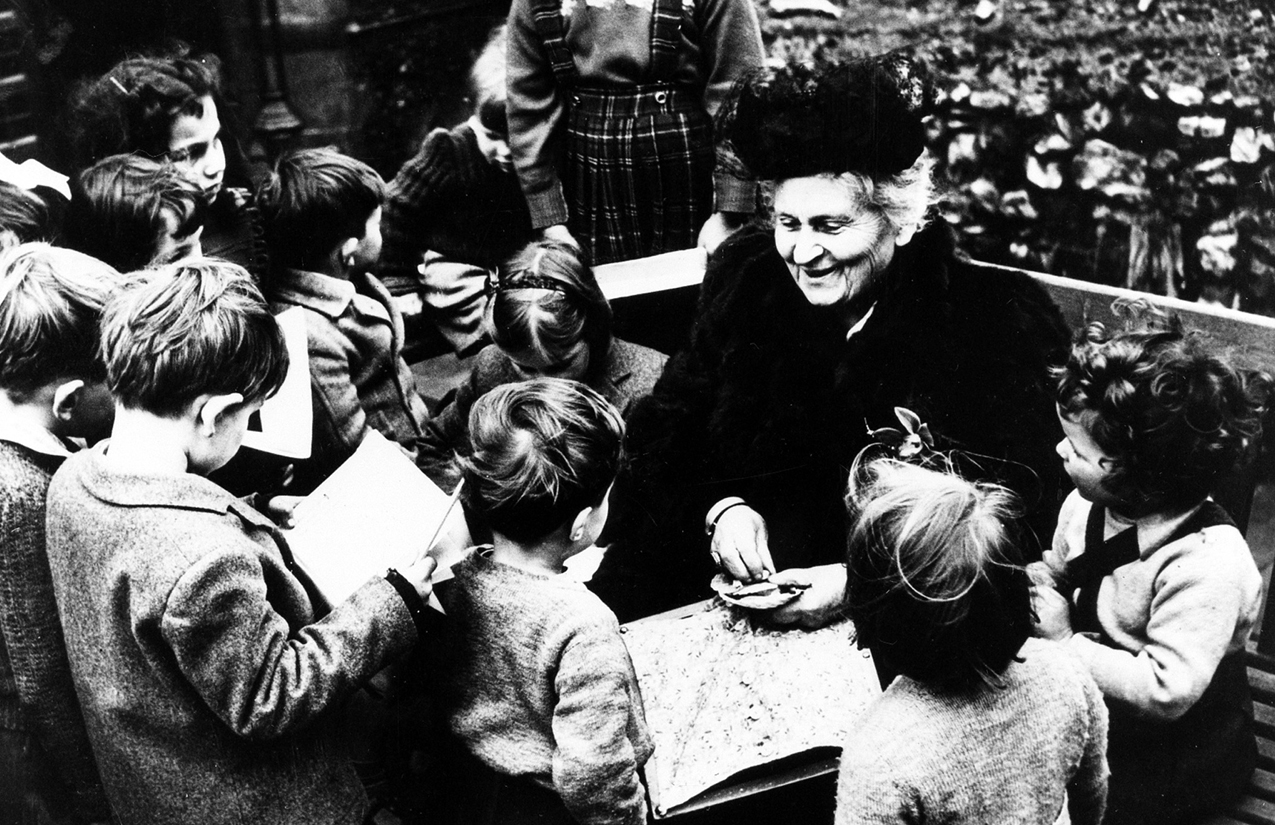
211	689
610	45
989	756
540	686
1173	613
36	691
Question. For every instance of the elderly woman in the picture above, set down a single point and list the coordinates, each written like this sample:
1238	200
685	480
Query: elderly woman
810	335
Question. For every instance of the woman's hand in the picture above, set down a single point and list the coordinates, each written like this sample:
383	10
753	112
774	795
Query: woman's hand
740	545
719	227
1052	613
822	603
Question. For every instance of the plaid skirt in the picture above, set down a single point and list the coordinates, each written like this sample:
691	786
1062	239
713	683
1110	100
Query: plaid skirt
639	176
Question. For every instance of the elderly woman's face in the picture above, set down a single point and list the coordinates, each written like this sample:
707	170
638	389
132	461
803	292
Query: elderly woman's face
836	246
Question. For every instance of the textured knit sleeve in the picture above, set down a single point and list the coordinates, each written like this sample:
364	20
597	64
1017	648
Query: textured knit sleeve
261	677
32	634
535	110
732	48
595	763
1199	596
1087	790
412	199
868	792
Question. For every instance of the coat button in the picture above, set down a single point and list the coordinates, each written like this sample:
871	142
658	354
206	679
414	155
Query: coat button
660	97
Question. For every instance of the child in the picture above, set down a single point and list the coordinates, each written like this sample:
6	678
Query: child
457	206
211	691
27	214
610	119
540	687
322	215
51	391
547	317
132	212
1148	580
985	725
170	106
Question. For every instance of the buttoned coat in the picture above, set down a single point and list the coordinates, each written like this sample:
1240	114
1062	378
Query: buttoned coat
211	689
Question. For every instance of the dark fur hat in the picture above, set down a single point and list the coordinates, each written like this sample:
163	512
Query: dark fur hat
863	115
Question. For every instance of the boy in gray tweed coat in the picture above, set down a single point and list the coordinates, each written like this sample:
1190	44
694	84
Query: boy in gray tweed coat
211	685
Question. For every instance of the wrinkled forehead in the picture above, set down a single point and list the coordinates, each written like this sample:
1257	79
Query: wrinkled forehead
846	194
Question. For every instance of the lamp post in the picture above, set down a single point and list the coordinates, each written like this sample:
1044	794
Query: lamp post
276	122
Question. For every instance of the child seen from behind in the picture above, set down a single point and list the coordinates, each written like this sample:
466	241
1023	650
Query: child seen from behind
1149	580
540	690
984	724
322	213
211	690
52	394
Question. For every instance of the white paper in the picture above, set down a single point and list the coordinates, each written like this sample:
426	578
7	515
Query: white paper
375	512
656	273
287	417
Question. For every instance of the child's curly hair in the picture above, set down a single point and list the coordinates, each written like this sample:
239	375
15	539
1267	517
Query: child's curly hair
1175	411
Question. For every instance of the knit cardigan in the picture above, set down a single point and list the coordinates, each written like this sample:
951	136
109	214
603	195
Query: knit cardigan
36	690
990	755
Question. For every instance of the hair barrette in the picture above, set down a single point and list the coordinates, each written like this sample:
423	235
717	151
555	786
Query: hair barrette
522	279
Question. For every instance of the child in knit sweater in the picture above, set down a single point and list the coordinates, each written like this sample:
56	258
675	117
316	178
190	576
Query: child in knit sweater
984	724
322	213
52	394
1148	580
540	691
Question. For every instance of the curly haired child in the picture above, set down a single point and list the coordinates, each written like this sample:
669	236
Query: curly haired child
1148	580
540	690
984	724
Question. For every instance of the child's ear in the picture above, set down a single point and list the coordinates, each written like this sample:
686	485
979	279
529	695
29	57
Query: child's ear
66	398
213	408
580	524
347	249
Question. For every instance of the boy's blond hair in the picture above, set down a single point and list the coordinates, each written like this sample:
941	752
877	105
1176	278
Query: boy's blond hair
50	302
188	329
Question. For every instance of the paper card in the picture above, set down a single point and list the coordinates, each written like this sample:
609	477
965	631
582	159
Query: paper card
375	512
287	418
654	274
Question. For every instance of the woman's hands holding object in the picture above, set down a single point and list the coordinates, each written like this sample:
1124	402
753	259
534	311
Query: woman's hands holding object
820	604
739	544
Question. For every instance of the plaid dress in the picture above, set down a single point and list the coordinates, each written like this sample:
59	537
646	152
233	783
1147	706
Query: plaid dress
639	160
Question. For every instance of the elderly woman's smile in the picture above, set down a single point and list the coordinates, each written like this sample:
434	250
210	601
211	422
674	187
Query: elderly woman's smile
835	245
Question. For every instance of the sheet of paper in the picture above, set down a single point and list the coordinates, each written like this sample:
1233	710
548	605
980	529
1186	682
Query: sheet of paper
287	418
668	270
723	694
375	512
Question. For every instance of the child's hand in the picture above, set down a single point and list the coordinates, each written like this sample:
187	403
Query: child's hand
1052	613
419	575
1041	574
279	509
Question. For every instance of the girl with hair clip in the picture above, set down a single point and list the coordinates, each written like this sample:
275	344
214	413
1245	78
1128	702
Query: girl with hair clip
547	318
983	724
170	107
1149	581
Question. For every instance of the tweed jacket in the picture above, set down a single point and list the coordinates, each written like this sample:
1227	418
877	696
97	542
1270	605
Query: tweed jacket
36	691
772	401
629	373
358	378
210	687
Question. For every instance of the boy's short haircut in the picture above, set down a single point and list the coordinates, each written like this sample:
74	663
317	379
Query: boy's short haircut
543	450
935	583
25	215
187	329
50	302
313	201
1176	411
118	207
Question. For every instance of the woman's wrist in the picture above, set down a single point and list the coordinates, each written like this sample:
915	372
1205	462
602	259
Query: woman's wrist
719	509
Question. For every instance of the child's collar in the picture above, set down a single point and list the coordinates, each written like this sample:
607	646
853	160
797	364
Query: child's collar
1154	529
36	439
